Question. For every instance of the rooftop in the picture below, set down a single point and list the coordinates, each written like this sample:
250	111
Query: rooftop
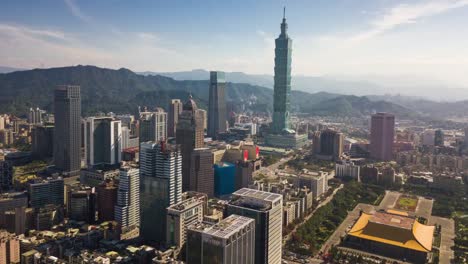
229	226
256	194
394	229
255	199
188	203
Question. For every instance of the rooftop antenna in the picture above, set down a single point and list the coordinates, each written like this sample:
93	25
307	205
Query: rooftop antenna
284	12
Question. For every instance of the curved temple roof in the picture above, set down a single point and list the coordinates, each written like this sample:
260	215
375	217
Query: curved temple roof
393	229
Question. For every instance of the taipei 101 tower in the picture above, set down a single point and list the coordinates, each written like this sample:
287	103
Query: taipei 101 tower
281	133
282	87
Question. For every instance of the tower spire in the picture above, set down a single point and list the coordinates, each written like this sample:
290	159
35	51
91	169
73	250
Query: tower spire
284	25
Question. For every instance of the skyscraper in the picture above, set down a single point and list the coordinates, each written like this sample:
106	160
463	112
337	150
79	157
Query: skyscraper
35	116
281	135
331	144
106	200
189	136
282	82
44	192
183	214
382	135
153	125
6	175
175	109
201	171
42	139
161	170
267	210
67	134
230	241
127	210
439	138
103	141
217	104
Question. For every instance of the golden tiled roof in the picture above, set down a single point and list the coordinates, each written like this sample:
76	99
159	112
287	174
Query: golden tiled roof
394	229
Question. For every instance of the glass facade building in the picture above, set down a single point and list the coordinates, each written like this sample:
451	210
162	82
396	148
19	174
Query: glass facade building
225	178
282	81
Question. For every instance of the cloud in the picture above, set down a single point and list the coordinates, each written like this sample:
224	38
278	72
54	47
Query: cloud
31	47
28	47
147	36
407	14
76	11
39	33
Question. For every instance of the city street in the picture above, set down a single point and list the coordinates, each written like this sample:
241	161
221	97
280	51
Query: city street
447	235
322	203
269	171
335	238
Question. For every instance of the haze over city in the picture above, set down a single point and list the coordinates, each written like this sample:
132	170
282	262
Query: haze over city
413	44
244	132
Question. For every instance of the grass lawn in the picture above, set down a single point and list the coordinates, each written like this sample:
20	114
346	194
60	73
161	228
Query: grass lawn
407	203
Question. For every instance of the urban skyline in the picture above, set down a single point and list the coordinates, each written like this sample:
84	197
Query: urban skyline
132	169
387	39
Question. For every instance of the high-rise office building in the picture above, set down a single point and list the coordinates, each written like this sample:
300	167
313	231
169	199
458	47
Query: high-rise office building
230	241
103	141
19	220
204	117
439	138
217	104
35	116
225	179
10	201
282	82
42	139
44	192
127	210
382	136
175	109
82	205
9	248
201	171
181	215
153	125
106	200
161	170
67	134
189	136
331	144
6	175
267	210
281	135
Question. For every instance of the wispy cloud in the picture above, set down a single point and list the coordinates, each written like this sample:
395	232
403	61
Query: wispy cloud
147	36
39	33
407	14
76	11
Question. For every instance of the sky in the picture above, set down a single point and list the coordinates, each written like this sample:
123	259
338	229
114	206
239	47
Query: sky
426	39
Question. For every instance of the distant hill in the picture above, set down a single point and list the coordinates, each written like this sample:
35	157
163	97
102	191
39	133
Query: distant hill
374	85
122	90
5	69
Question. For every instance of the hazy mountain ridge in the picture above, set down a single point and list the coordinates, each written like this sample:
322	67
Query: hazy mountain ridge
6	69
122	91
374	85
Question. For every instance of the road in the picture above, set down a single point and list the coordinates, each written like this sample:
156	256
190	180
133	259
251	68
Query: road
335	238
269	171
322	203
446	254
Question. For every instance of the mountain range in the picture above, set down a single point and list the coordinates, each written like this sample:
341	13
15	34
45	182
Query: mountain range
413	86
121	91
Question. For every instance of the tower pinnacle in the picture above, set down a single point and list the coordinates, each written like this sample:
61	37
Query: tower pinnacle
284	25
